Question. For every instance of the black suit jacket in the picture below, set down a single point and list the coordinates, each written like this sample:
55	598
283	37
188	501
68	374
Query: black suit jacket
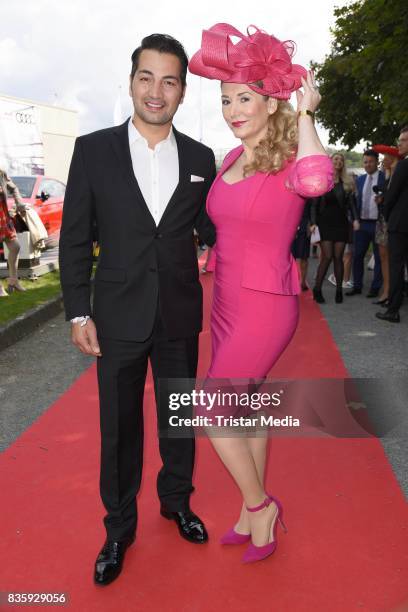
396	199
140	264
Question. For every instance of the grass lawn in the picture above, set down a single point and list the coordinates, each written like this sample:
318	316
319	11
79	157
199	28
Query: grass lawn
38	292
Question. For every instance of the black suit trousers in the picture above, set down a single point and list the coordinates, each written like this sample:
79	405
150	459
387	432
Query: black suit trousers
121	377
398	257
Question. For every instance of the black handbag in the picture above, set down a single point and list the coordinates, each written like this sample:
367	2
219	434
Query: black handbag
20	224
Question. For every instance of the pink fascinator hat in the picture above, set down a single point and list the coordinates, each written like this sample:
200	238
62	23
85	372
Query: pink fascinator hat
255	57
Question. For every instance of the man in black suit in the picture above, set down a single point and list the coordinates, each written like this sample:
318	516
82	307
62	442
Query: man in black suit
396	215
144	184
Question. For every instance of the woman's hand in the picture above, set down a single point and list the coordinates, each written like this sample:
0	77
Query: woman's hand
309	141
21	207
10	184
310	98
356	225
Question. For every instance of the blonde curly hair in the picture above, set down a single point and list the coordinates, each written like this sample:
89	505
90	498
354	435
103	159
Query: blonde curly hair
280	144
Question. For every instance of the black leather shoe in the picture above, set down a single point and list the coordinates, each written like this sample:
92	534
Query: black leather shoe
339	296
191	527
318	296
392	317
381	302
372	293
353	292
109	562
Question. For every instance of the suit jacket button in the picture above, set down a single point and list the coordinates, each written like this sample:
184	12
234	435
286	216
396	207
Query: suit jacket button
153	269
158	235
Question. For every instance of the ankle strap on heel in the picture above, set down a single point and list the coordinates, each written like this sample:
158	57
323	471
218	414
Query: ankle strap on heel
266	502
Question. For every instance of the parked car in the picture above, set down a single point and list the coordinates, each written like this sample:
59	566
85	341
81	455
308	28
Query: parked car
46	196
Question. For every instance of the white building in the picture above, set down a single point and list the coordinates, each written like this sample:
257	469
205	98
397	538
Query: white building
36	138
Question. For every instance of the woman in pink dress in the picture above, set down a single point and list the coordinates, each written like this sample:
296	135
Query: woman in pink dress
257	201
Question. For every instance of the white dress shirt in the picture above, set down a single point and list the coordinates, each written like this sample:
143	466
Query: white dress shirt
369	209
156	170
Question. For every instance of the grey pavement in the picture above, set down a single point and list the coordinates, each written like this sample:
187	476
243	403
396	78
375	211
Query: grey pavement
376	350
36	370
370	348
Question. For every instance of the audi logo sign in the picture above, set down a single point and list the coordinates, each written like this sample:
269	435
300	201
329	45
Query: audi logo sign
25	118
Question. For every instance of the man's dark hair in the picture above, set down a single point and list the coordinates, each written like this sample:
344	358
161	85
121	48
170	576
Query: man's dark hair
371	153
163	43
404	129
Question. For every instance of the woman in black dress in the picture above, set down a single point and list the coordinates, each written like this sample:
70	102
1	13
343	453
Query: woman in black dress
331	213
301	245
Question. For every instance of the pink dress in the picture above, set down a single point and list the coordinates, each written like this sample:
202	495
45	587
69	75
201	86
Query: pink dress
256	285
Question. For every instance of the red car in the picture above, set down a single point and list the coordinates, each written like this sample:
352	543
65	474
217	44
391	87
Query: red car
46	196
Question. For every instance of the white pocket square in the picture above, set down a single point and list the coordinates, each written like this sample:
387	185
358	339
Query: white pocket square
197	179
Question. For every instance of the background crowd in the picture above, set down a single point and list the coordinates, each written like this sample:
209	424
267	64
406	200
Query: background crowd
360	215
365	214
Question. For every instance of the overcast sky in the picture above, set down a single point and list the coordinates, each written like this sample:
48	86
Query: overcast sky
76	53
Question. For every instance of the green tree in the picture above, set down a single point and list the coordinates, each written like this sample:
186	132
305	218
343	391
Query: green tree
364	79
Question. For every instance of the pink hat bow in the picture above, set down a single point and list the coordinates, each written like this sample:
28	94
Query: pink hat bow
256	57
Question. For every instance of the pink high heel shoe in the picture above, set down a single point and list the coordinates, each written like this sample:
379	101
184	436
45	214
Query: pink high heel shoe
257	553
232	537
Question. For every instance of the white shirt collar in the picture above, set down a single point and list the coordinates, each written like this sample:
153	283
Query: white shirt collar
135	136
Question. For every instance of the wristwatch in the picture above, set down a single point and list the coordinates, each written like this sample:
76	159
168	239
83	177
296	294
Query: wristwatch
82	320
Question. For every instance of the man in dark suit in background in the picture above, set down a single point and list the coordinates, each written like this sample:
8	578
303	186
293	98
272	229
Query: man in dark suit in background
396	215
368	214
145	185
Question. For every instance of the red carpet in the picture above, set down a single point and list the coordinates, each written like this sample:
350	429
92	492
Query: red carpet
346	549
